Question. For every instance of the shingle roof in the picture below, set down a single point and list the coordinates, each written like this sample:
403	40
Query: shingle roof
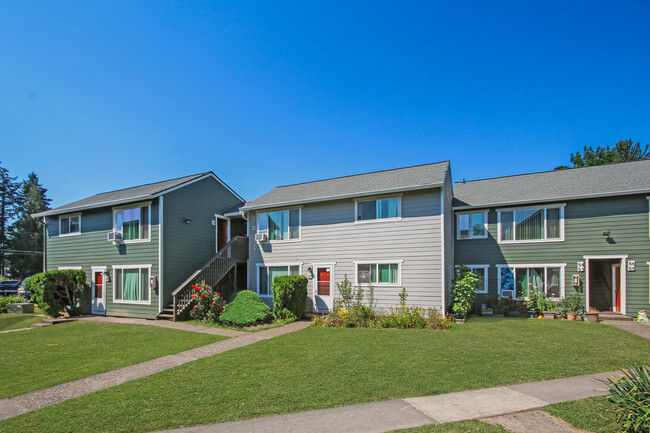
400	179
123	195
574	183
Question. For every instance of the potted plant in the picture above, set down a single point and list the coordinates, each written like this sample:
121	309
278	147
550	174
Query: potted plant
571	315
548	308
592	315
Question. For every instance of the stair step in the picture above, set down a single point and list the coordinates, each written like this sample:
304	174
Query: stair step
614	316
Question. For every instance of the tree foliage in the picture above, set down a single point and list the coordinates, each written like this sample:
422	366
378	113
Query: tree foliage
8	205
623	151
56	292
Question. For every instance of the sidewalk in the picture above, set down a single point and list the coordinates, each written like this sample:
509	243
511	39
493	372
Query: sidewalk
413	412
56	394
633	327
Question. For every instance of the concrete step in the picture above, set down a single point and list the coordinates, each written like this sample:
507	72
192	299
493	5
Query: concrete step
614	316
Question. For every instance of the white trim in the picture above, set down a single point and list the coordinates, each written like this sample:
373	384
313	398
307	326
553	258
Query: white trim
515	266
340	197
94	269
218	217
274	265
471	236
398	262
69	268
140	267
205	176
623	288
160	253
559	206
376	200
133	206
486	269
331	266
442	247
68	216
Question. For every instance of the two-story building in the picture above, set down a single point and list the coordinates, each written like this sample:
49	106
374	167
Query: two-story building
581	228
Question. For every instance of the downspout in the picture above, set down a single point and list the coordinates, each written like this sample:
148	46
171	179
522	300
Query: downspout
44	245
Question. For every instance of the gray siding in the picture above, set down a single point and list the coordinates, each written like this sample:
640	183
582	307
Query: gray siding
92	249
186	247
329	234
627	219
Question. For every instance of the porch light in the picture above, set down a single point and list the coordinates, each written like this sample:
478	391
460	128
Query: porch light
606	232
187	220
107	275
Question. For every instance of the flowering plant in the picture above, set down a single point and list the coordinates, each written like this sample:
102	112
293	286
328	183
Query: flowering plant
207	305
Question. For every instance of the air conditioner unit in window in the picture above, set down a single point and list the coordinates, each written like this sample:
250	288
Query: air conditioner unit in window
364	276
115	237
507	293
260	237
464	233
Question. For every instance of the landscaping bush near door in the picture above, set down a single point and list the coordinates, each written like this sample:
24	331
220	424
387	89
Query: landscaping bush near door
57	292
289	297
247	308
12	299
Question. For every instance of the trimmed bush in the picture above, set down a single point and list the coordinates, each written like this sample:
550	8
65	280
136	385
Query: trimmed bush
12	299
289	296
56	292
246	309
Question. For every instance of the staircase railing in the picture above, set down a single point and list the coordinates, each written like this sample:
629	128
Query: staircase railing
235	251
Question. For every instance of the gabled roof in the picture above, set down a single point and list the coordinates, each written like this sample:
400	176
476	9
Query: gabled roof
574	183
142	192
377	182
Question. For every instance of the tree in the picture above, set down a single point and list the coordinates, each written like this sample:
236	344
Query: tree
26	234
623	151
8	204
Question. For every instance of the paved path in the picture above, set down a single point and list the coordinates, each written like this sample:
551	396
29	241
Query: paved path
165	324
46	397
413	412
534	421
640	329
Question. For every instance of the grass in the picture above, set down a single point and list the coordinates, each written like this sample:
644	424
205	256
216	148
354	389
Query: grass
48	356
471	426
328	367
594	414
17	321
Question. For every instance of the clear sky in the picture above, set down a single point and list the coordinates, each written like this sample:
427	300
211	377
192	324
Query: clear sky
96	97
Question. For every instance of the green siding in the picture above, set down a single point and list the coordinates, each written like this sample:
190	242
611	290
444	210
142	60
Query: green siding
186	247
92	249
627	219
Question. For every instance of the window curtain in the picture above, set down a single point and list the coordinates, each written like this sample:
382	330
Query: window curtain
144	285
264	281
463	224
506	227
507	279
553	283
529	279
144	222
553	223
367	210
388	273
130	219
530	224
130	284
65	226
276	271
478	229
279	225
294	224
387	208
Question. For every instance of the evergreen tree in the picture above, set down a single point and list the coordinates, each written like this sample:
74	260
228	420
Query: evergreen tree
26	233
623	151
8	205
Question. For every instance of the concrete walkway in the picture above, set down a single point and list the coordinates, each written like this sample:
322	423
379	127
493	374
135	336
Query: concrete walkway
56	394
534	421
414	412
634	327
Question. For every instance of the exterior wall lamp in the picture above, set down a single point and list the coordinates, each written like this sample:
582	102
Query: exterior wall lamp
606	232
187	220
107	275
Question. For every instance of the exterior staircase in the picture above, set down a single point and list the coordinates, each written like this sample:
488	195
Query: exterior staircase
221	266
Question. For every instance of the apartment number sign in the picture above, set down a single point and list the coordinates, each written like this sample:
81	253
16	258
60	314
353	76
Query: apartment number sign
631	265
581	266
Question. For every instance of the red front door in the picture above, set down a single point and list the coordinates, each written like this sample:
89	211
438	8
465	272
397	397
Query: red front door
222	233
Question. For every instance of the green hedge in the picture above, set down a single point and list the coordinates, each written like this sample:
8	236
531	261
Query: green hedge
247	308
56	292
289	296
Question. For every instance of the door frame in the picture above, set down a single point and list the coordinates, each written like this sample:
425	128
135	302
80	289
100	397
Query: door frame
217	217
331	266
623	288
614	266
94	269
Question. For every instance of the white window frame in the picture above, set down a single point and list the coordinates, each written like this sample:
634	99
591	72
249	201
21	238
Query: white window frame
471	235
265	214
273	265
486	269
376	200
68	216
132	206
399	264
115	268
69	268
560	206
546	266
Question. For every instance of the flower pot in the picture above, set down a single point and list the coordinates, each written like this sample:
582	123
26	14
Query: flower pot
571	316
549	314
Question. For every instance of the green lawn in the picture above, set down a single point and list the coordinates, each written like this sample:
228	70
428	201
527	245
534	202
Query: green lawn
595	414
61	353
323	367
471	426
17	321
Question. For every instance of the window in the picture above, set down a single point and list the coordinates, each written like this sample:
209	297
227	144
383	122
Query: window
133	223
267	274
378	273
532	224
518	281
471	225
384	208
131	284
481	272
70	225
280	225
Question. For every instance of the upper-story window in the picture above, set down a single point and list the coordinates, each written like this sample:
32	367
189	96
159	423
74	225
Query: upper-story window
133	223
471	225
384	208
532	224
280	225
70	225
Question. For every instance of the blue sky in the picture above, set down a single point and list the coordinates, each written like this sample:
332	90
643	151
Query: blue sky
96	97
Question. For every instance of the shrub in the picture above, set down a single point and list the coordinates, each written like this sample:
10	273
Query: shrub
57	291
464	291
289	296
11	299
247	308
574	304
631	395
207	305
